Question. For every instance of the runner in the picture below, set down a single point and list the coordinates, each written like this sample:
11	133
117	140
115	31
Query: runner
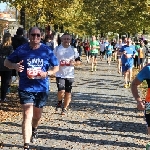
87	50
118	46
109	50
102	50
94	46
144	74
68	57
141	55
32	60
127	51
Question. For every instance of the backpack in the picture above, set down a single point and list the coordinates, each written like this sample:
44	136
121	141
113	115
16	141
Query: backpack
4	53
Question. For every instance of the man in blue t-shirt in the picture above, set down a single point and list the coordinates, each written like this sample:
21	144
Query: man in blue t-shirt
127	51
32	60
144	74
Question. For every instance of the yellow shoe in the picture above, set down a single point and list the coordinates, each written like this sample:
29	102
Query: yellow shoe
126	85
129	84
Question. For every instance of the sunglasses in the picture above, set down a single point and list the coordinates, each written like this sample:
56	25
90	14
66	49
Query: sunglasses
34	34
66	39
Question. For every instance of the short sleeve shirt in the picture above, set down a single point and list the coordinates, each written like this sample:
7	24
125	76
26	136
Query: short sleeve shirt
34	61
129	50
94	44
64	56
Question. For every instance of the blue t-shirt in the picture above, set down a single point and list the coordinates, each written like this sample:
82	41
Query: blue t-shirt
33	62
129	50
144	74
109	49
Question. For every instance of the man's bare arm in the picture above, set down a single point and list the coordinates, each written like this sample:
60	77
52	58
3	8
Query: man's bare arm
9	64
17	66
134	89
53	70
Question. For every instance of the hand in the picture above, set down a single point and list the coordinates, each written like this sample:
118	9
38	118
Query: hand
94	47
19	67
124	52
43	74
141	105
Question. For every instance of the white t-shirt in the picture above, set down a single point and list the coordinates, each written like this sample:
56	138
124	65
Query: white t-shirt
102	47
64	56
119	45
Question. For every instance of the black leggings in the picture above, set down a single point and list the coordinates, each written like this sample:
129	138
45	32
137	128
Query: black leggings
136	61
5	79
64	84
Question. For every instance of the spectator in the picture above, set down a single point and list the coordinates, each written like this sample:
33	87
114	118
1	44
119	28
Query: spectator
5	50
17	41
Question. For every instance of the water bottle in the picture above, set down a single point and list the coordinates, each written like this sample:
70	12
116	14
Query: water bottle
148	146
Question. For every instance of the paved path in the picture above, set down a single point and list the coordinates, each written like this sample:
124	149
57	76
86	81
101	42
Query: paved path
102	116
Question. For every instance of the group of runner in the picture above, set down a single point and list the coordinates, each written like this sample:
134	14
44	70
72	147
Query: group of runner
125	52
36	61
128	55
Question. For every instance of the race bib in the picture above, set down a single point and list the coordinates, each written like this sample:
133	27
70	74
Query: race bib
147	107
62	63
34	73
65	63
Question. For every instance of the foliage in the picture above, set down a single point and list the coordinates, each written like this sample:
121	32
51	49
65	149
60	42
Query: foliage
86	16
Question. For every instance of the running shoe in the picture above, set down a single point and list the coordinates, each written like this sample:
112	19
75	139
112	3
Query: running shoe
34	136
59	105
26	148
129	83
64	111
126	85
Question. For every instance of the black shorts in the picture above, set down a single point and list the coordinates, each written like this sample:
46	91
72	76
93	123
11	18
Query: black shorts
88	53
94	55
102	53
118	57
38	99
147	113
64	84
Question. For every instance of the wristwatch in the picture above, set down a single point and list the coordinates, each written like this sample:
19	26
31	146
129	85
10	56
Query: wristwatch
48	73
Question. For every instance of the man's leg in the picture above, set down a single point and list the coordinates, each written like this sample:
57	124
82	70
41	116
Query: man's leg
67	98
95	62
37	113
130	74
126	77
92	63
61	91
115	55
119	65
27	123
